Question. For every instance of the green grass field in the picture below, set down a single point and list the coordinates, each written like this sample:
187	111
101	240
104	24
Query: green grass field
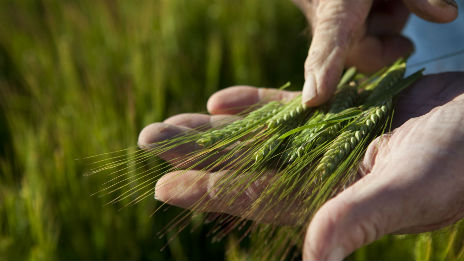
80	78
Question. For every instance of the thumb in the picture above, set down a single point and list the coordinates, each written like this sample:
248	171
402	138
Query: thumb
335	24
359	215
362	213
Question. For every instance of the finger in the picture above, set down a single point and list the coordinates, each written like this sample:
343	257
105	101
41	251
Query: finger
219	192
371	53
182	188
237	99
154	133
438	11
200	121
212	192
182	155
346	223
353	218
180	125
337	23
382	43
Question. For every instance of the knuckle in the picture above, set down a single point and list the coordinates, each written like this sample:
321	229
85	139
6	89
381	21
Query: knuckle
376	150
368	231
341	19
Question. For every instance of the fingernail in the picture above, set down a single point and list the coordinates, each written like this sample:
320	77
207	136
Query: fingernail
336	254
444	3
158	195
155	196
309	89
452	3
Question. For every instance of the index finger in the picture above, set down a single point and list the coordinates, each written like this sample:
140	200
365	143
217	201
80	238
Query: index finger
336	24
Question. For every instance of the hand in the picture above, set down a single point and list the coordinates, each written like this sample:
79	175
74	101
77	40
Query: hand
411	178
361	33
188	188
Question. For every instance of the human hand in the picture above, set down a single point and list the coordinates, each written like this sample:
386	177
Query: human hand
361	33
412	179
198	189
400	190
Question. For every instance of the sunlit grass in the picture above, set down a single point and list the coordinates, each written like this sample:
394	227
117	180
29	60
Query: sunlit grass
80	78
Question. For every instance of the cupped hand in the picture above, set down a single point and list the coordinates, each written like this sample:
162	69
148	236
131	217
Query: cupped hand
361	33
198	189
412	179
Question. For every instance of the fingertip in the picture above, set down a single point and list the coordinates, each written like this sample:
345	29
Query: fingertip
181	188
321	241
309	93
348	221
232	100
152	137
214	103
169	188
447	10
161	193
438	11
189	120
316	92
157	132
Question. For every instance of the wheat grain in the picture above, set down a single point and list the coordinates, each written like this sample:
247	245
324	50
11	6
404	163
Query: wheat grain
354	133
290	117
291	111
252	120
343	99
375	91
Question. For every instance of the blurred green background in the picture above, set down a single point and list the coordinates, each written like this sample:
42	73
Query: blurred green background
79	78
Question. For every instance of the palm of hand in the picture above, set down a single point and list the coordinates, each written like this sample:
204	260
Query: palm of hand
411	178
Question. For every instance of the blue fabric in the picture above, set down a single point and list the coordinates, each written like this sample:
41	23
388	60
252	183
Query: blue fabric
433	40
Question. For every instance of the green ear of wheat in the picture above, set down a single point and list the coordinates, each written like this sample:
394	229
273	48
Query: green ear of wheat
346	141
241	126
344	98
308	153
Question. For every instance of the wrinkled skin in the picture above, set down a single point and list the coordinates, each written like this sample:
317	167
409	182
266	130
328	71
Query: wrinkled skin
361	33
412	179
